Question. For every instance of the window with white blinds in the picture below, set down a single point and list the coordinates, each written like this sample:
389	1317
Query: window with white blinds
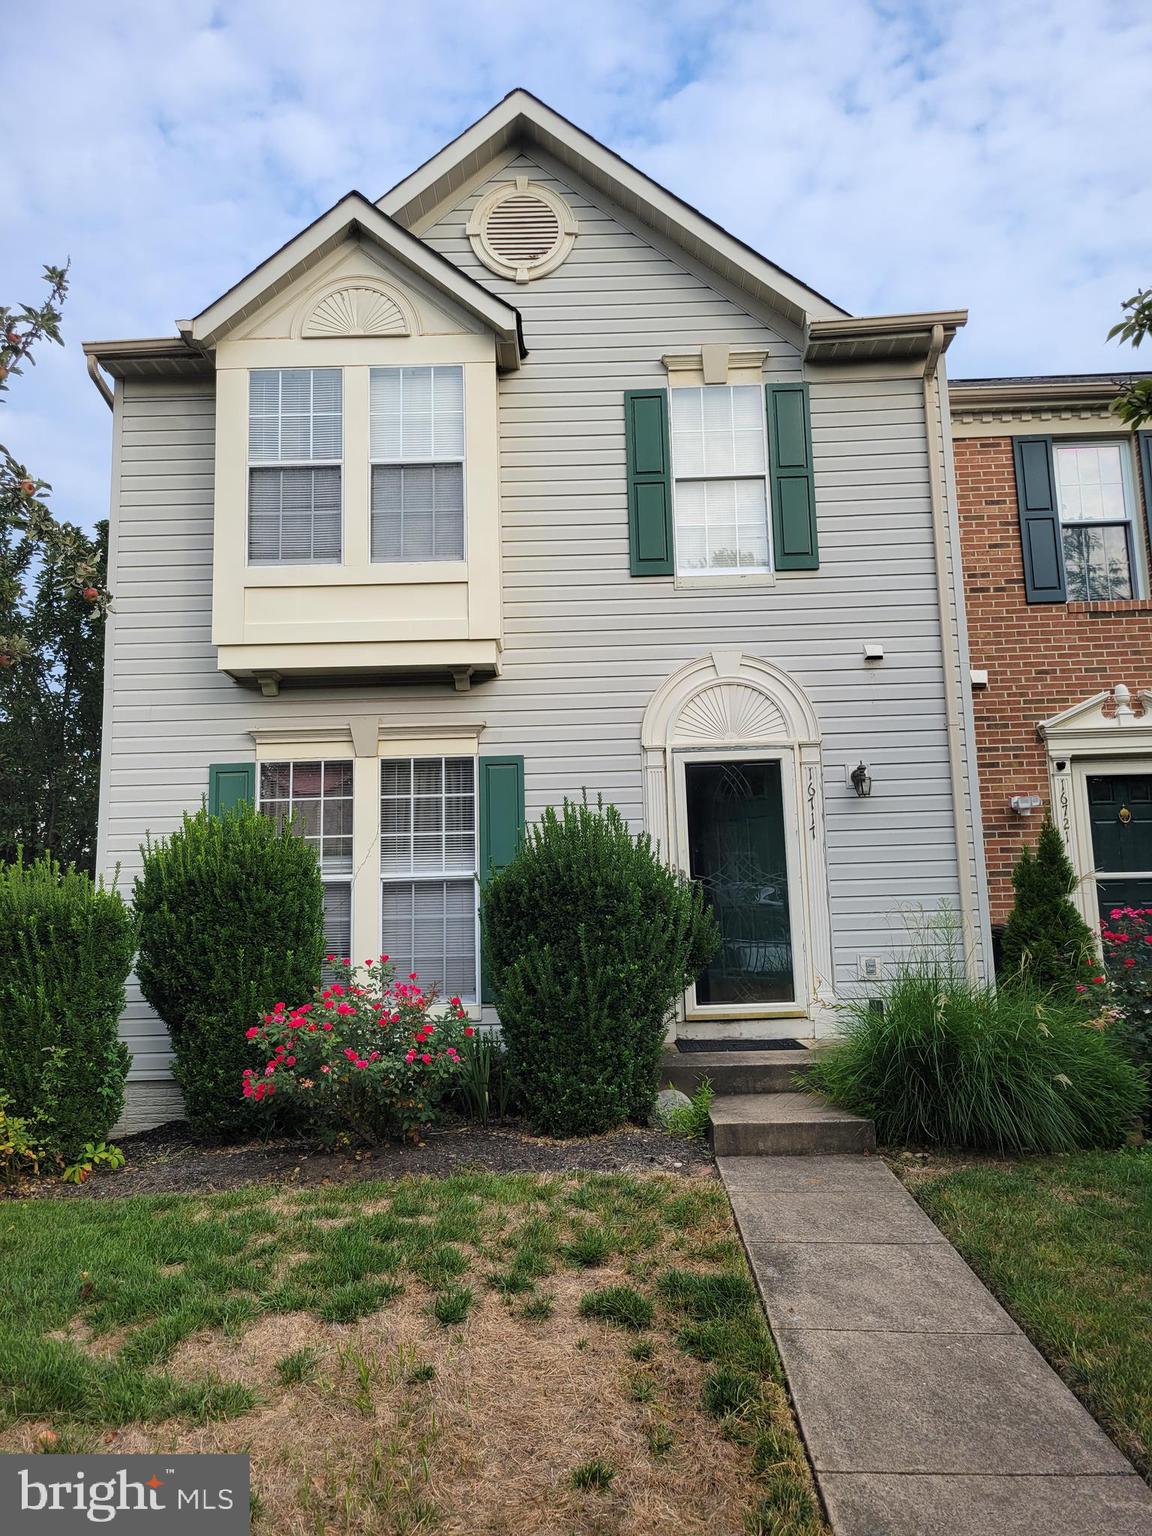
428	867
719	461
417	448
315	799
295	448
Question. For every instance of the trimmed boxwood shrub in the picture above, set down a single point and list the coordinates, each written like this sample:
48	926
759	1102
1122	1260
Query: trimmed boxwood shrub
589	940
949	1063
66	947
231	917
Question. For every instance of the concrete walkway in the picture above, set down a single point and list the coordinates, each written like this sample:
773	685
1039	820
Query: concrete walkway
925	1409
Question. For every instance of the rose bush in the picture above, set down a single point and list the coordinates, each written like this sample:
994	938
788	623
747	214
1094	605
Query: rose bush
369	1057
1127	939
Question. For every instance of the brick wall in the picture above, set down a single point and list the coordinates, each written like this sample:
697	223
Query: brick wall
1040	657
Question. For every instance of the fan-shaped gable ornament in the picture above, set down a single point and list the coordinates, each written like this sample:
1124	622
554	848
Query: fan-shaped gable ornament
730	712
357	310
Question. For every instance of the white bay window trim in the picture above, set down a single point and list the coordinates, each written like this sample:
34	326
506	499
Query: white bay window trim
417	436
295	466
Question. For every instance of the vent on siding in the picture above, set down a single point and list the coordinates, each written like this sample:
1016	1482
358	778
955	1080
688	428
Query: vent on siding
522	231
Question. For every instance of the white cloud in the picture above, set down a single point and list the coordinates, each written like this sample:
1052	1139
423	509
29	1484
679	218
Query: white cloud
895	156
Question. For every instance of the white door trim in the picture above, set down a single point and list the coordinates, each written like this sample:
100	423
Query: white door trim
730	706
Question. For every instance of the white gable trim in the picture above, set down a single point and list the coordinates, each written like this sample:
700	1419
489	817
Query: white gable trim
355	215
1085	727
522	118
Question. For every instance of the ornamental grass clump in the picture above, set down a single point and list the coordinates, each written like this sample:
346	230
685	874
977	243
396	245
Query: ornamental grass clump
589	940
947	1062
368	1058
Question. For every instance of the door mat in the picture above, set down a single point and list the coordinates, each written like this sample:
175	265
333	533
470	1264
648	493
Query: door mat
695	1047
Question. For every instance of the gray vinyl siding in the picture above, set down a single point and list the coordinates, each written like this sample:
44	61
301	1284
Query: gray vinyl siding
586	645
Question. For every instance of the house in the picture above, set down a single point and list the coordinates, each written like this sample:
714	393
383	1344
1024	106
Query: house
1055	503
526	480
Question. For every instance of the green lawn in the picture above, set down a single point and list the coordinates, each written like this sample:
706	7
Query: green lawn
1066	1245
483	1352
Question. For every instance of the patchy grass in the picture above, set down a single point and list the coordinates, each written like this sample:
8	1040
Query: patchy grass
620	1305
425	1356
1065	1243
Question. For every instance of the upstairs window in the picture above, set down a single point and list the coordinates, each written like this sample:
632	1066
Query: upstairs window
1094	494
295	448
315	799
417	446
428	868
720	465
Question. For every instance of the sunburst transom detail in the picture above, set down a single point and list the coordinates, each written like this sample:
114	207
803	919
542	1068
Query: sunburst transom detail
357	310
730	711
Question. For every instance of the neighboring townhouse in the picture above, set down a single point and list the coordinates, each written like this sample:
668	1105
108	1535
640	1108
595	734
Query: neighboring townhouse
1055	500
528	481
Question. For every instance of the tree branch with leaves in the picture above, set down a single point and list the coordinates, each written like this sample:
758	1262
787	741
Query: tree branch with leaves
1134	404
25	517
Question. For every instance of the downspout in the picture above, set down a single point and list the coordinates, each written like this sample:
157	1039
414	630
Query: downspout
100	381
966	850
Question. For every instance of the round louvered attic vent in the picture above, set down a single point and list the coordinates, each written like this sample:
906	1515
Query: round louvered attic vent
522	230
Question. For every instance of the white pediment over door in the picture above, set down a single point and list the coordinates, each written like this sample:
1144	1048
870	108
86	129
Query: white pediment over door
1113	716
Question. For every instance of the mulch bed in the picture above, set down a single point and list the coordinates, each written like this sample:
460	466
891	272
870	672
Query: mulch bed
170	1160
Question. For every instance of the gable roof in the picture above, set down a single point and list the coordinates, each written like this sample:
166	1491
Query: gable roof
355	215
522	118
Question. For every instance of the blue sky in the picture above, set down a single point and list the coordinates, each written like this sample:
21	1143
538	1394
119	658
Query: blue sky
985	153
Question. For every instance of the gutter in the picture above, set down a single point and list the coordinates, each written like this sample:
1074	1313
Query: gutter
953	639
100	381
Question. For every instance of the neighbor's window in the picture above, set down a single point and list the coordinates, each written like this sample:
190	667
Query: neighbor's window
417	463
316	799
295	446
719	462
428	868
1094	493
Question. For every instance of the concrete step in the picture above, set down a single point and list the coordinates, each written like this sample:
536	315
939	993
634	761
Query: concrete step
785	1124
734	1071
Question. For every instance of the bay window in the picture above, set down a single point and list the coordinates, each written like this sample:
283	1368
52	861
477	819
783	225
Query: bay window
417	450
295	450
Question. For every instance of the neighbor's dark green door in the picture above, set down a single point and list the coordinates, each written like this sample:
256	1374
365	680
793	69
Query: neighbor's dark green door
738	854
1120	811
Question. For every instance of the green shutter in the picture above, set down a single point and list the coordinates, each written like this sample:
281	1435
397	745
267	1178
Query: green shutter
501	825
649	483
790	478
1039	521
229	784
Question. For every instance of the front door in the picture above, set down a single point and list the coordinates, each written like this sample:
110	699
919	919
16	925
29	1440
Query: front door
1120	812
738	853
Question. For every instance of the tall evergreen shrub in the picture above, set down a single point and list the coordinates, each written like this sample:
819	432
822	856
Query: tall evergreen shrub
231	915
66	948
589	941
1047	944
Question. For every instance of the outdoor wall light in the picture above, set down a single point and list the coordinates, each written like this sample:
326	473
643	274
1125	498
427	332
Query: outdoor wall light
861	781
1024	805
